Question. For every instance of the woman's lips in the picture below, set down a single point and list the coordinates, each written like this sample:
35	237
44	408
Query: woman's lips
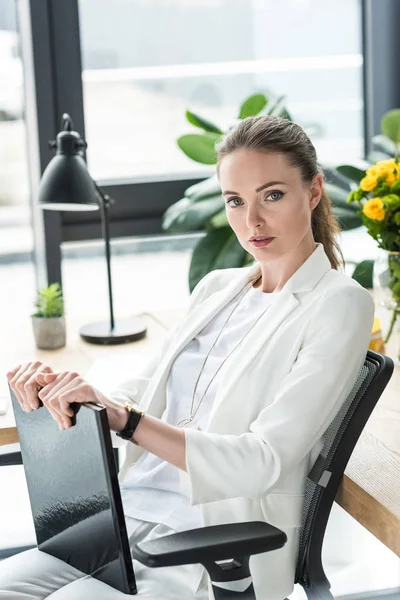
262	243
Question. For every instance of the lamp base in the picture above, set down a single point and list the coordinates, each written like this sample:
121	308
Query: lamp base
125	331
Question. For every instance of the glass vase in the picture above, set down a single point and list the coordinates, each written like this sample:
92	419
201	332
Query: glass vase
386	285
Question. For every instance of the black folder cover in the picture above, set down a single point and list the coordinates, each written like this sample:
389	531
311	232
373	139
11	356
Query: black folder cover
74	492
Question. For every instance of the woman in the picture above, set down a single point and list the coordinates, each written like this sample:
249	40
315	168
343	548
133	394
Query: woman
237	400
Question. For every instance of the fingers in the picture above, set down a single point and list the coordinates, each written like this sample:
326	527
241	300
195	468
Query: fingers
53	395
22	380
34	381
14	379
49	395
46	384
32	387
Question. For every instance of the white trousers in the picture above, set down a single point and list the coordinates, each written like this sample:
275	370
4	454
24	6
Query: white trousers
35	575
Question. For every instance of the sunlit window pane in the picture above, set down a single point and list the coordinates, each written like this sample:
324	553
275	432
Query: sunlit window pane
146	61
15	230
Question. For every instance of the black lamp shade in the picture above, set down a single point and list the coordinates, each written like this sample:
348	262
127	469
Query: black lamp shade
67	185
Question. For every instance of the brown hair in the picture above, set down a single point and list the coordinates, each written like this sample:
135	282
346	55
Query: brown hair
275	134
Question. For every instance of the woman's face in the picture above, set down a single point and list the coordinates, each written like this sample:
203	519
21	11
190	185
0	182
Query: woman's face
264	195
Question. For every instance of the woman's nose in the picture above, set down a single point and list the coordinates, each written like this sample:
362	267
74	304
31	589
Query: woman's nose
253	219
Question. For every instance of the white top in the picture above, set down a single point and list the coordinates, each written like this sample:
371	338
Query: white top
150	490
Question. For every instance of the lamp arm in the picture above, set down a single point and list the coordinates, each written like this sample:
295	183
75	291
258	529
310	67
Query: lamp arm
105	202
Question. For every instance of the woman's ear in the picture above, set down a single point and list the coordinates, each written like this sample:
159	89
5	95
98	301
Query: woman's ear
316	190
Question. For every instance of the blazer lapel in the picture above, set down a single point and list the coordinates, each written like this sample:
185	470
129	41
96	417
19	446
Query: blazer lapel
304	279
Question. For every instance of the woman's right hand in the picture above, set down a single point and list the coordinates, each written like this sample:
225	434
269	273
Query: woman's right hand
22	380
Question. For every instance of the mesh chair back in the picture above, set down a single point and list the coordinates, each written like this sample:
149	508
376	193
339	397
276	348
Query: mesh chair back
327	471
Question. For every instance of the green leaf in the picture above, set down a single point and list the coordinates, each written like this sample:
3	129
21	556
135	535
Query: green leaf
200	147
253	106
352	173
347	219
395	188
333	176
278	109
171	215
390	125
286	115
339	197
49	302
363	273
336	193
198	121
218	249
220	220
204	189
185	215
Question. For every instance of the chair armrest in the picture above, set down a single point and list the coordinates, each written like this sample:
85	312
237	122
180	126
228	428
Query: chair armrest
11	458
214	543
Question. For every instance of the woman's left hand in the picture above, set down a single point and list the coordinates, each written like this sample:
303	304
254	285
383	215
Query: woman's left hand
62	389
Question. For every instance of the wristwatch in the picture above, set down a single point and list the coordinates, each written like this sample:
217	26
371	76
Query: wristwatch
134	416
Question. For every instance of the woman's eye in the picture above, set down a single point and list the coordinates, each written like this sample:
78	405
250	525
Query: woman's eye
280	194
230	200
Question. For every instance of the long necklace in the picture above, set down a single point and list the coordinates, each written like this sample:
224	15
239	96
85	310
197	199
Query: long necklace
188	420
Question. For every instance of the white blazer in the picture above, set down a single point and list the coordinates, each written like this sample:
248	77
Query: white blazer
275	401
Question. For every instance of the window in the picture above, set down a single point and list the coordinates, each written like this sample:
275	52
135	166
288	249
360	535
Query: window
146	61
15	230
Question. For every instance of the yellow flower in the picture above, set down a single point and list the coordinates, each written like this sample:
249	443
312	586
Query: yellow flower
390	176
374	170
373	209
387	169
368	183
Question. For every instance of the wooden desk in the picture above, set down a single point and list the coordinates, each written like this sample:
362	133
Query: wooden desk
370	489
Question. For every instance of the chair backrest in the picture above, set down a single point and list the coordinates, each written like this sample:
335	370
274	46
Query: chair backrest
327	471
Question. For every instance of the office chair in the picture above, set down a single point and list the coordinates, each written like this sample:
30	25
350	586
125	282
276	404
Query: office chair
235	543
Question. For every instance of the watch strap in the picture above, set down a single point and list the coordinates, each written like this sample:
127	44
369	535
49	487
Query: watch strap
132	422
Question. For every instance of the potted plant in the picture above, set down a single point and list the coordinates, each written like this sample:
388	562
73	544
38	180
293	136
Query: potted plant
203	207
49	320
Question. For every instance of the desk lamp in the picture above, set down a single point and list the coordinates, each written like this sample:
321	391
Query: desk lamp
67	186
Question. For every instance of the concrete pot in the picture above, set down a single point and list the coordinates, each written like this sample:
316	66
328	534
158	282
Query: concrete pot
49	332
